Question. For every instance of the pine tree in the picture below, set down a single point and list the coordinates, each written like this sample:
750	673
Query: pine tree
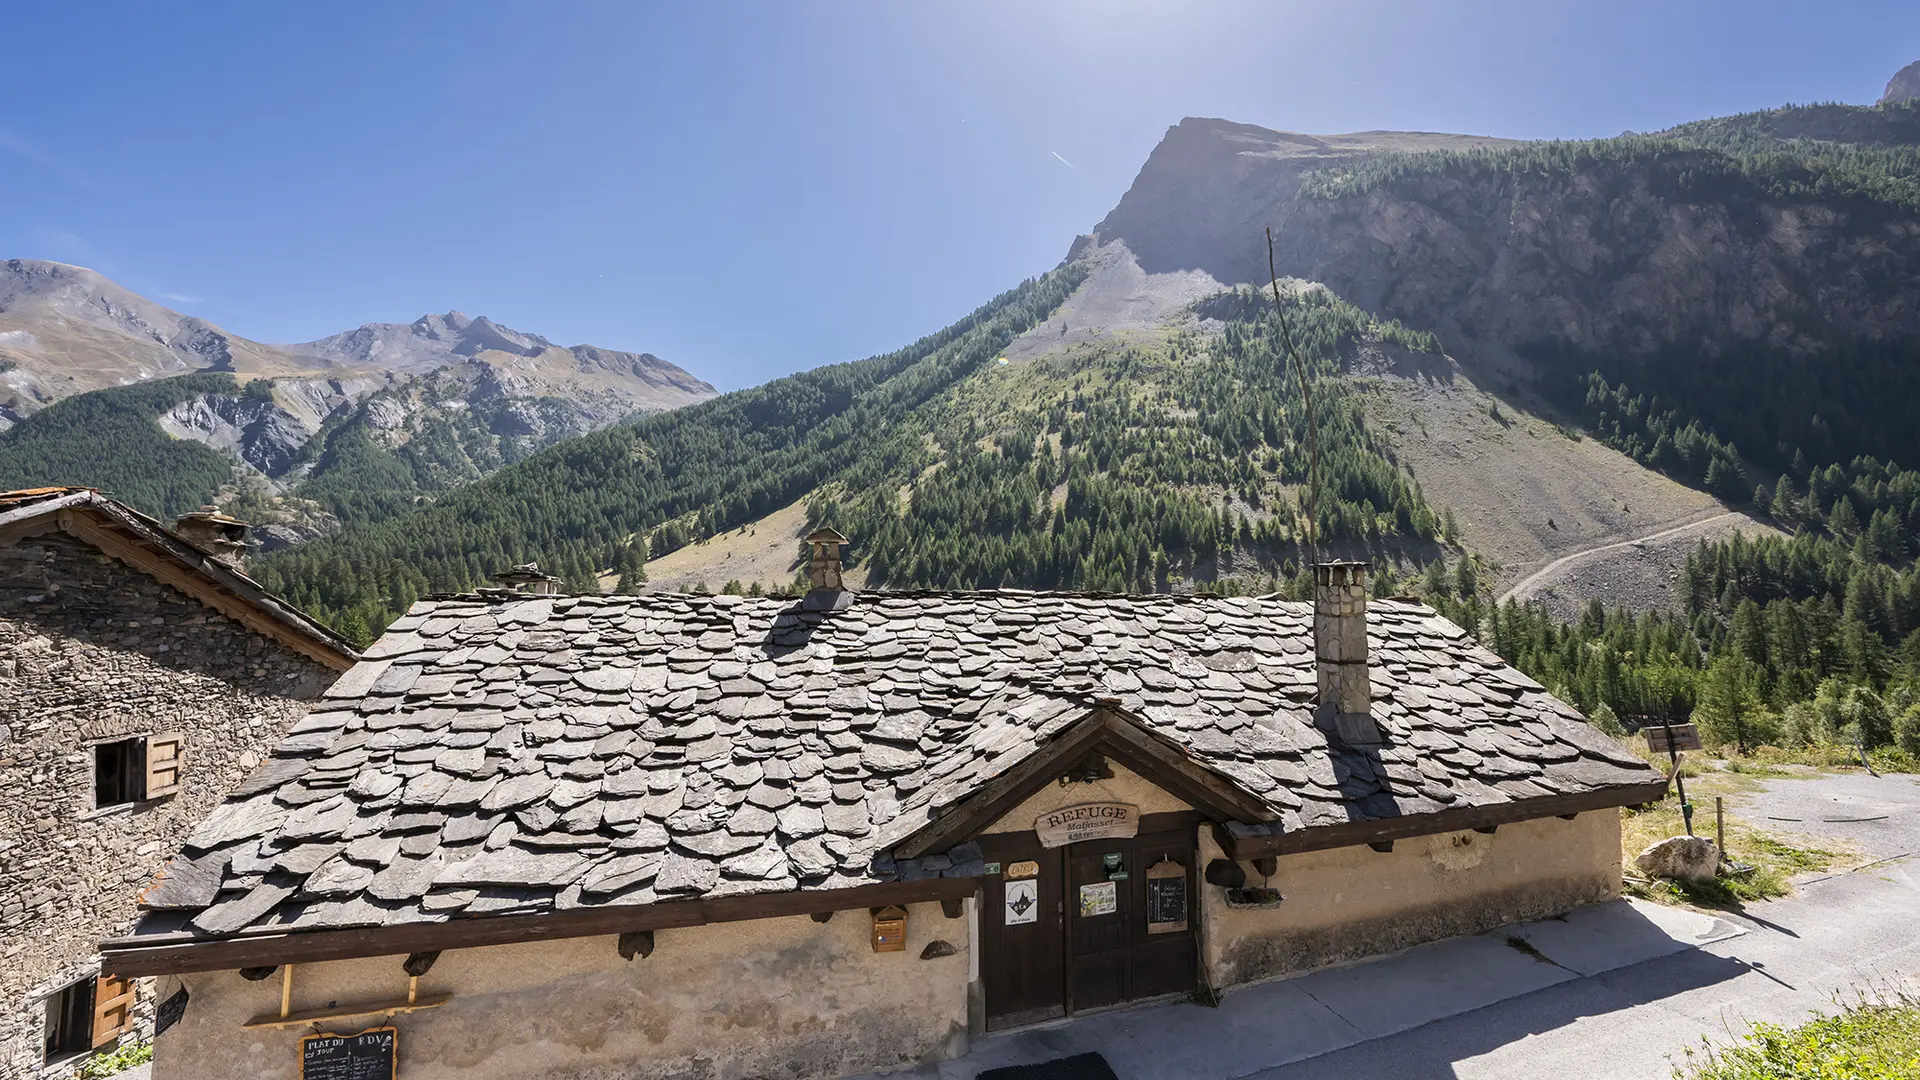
1842	522
1786	503
1466	581
1728	703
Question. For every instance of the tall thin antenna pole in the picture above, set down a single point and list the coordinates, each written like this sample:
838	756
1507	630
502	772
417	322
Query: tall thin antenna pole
1306	395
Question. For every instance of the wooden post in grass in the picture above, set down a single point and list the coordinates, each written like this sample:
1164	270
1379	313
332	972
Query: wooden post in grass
1690	735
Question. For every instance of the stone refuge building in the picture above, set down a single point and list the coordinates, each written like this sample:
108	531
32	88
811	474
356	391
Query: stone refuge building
721	837
142	677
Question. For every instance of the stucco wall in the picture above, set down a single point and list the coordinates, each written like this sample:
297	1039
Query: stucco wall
1346	903
90	650
785	997
1126	786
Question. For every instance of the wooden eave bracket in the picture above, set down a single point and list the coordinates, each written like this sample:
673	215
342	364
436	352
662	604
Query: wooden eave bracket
288	1017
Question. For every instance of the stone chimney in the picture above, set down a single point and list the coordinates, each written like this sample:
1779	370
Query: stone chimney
527	578
222	537
1340	650
823	562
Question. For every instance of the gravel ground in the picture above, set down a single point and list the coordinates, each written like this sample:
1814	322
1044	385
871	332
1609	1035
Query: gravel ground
1879	815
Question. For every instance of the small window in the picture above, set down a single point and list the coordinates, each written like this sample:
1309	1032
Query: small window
135	770
120	772
70	1020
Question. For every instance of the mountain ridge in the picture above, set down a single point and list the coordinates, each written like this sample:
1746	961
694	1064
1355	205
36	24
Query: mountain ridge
426	406
67	329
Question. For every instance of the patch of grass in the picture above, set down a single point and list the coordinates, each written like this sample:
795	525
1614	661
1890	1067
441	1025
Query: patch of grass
1774	861
1874	1037
1829	757
1759	770
117	1060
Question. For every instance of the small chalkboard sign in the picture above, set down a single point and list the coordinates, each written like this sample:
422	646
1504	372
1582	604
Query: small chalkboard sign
170	1012
1166	897
370	1055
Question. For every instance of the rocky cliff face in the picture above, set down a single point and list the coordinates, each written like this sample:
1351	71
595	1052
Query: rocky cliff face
1613	252
1904	86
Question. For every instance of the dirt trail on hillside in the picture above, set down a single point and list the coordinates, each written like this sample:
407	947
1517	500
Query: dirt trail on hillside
1555	511
1641	574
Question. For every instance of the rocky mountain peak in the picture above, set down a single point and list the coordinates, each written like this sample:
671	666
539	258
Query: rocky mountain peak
1904	86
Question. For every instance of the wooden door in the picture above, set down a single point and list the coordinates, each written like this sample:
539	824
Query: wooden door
1020	933
1169	962
1075	936
1100	912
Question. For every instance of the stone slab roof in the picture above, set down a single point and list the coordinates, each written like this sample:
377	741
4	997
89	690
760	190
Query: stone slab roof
155	547
512	754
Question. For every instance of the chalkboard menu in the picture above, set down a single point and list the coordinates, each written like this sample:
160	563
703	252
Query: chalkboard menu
369	1055
1166	897
171	1011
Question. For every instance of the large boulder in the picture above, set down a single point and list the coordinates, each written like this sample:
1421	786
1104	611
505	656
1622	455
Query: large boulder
1904	86
1694	858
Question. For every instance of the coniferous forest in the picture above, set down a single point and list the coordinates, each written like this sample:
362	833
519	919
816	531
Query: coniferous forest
1130	468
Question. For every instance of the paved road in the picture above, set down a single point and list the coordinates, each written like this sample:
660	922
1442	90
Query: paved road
1520	587
1840	932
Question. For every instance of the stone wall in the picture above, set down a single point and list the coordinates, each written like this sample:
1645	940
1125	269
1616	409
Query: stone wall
1346	903
785	997
91	650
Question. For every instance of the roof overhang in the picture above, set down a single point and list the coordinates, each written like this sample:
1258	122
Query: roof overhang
1242	843
180	953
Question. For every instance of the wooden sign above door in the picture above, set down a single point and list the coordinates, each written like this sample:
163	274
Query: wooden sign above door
1088	821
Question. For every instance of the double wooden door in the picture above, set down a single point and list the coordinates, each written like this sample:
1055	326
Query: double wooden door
1074	934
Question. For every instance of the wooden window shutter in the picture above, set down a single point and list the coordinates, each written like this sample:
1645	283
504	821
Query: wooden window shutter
112	1009
164	753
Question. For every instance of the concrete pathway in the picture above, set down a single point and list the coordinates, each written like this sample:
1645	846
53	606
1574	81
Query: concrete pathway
1615	990
1272	1024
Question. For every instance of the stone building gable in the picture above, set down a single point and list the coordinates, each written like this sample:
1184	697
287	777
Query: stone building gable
90	650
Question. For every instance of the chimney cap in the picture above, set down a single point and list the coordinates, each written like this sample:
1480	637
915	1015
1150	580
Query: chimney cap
826	534
210	514
522	574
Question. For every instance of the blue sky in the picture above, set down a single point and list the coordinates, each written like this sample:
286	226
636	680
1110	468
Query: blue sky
751	190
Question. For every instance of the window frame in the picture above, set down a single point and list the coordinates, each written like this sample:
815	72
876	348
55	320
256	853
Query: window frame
68	1023
129	779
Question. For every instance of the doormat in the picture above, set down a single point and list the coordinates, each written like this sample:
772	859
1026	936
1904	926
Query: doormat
1077	1067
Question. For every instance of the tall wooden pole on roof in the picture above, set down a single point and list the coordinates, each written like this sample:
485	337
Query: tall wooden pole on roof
1306	396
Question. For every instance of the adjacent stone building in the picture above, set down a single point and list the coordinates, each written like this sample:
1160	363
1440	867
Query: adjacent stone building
545	837
142	677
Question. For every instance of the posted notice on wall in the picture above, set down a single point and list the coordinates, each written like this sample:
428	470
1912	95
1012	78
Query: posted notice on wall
1099	898
1023	901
